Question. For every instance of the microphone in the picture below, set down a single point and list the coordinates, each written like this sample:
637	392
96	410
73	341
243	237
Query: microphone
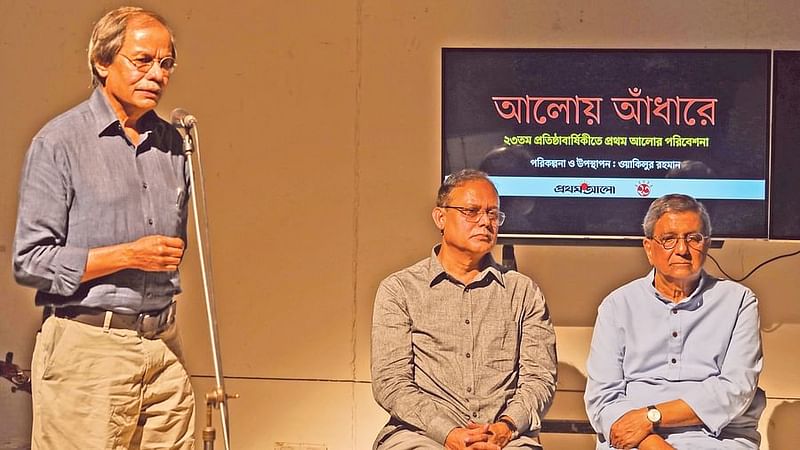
181	118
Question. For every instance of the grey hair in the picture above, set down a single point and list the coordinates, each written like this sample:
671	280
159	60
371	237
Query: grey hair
674	203
457	179
108	36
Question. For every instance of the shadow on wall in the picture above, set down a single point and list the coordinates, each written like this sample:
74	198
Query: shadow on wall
568	410
570	378
783	431
776	312
15	425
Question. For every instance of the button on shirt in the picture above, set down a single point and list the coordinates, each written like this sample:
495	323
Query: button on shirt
445	353
86	185
705	350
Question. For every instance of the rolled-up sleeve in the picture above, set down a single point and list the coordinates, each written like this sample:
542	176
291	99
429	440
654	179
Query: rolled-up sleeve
720	399
606	386
537	365
41	257
393	383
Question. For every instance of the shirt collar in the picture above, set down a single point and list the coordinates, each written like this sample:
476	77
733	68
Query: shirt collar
692	300
107	121
491	270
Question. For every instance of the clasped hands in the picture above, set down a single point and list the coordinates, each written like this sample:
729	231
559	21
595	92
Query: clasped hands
633	430
485	436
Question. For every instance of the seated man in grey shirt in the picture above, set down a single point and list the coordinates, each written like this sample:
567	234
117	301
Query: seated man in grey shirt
463	350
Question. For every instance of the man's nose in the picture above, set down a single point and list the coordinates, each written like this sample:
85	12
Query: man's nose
484	219
682	247
156	73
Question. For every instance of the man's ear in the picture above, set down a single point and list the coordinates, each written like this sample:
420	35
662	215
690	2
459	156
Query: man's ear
102	70
648	249
438	218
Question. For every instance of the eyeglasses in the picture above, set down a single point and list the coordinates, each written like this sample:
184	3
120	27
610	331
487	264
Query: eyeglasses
693	240
474	214
144	63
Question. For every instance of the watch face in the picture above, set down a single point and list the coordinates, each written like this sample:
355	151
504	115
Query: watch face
654	415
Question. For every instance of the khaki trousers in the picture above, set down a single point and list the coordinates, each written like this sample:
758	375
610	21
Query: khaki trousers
96	388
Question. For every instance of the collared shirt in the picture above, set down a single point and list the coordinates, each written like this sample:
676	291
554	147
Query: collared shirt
85	185
705	350
445	353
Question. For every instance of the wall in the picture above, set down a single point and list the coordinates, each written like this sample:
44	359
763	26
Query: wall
320	134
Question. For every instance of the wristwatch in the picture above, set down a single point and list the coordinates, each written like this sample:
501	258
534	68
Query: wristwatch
511	426
654	416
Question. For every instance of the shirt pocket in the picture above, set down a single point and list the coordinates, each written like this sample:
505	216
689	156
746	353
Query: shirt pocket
180	199
499	340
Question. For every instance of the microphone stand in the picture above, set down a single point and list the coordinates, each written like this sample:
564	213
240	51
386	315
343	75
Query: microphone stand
218	397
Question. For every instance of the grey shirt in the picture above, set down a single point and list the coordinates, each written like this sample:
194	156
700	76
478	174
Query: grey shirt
444	353
85	185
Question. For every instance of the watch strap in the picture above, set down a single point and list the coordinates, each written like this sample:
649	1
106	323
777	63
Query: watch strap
511	425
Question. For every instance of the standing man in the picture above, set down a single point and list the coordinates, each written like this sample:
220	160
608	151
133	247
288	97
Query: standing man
676	355
100	233
463	350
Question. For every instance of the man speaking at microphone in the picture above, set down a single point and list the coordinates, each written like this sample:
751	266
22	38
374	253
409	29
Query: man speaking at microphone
101	230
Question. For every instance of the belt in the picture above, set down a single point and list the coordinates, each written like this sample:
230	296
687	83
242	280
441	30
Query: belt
148	324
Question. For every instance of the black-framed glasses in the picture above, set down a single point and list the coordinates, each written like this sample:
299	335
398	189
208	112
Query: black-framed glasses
144	63
474	214
693	240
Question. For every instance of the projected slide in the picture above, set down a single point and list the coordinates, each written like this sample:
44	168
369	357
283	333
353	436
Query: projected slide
579	142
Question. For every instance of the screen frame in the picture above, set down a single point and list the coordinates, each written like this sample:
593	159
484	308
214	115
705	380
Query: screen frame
623	239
